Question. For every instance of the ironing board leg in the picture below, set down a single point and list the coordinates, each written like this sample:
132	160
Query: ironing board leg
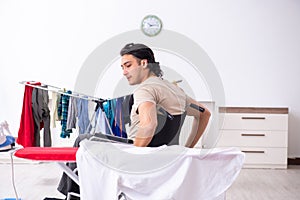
69	172
70	194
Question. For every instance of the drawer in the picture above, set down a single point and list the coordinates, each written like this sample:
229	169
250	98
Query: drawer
265	157
231	138
250	121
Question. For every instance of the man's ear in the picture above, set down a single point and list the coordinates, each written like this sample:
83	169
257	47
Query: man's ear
144	63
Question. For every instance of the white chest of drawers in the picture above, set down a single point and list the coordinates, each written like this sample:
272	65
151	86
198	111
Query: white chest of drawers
262	133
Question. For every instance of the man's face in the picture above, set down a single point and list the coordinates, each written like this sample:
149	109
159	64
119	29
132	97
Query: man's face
132	69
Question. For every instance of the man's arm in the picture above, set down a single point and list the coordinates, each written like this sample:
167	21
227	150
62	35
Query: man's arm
200	122
147	125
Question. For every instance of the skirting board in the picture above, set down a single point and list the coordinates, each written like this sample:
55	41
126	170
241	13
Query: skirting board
293	161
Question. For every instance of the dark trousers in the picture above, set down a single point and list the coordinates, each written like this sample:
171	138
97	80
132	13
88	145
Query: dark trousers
41	116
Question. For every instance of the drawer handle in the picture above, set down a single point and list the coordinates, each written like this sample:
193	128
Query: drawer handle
253	151
257	134
253	118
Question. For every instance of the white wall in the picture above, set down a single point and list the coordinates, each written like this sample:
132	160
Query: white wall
254	44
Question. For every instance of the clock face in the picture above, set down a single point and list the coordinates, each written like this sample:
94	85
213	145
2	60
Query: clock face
151	25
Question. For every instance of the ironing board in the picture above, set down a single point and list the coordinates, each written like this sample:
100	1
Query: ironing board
60	155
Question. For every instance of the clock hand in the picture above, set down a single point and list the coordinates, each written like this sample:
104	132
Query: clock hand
150	25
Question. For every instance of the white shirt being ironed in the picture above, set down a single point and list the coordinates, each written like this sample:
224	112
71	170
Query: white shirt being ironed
107	170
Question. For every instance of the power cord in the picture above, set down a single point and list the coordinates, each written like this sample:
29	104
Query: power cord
13	173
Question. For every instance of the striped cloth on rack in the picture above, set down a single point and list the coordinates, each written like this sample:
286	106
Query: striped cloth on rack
62	112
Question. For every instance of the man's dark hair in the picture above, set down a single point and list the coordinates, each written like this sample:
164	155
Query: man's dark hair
141	51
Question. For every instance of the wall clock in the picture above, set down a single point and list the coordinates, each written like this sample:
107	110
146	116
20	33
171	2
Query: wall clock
151	25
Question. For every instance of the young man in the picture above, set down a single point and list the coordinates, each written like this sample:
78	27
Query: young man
140	68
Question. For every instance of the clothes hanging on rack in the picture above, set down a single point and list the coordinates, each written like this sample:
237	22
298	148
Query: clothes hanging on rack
118	119
108	108
53	111
72	113
83	116
101	122
117	111
26	129
72	109
126	108
60	108
41	116
63	114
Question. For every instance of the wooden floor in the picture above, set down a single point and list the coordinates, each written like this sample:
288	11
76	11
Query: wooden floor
34	181
266	184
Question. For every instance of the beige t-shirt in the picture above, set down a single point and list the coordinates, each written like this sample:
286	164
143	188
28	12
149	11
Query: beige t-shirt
161	92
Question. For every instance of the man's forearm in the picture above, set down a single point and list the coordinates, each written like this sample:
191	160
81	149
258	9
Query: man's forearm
198	128
142	142
202	124
144	135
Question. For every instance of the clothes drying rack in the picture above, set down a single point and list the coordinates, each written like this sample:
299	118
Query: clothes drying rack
60	155
60	90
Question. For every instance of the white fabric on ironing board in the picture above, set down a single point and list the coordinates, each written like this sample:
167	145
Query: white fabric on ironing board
160	173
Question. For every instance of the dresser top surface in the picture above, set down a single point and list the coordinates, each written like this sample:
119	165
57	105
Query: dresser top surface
266	110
